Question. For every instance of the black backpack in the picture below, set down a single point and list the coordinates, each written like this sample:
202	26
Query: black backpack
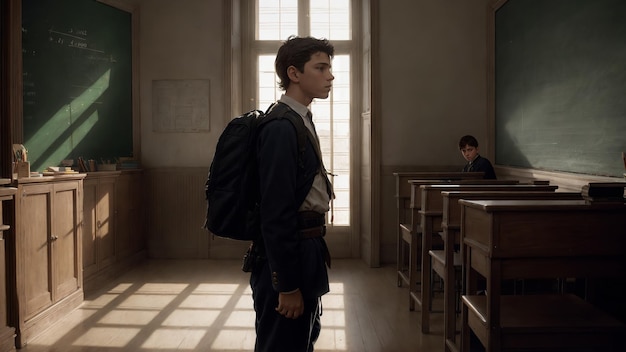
232	187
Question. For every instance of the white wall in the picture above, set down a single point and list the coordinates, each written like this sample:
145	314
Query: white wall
433	75
433	57
180	39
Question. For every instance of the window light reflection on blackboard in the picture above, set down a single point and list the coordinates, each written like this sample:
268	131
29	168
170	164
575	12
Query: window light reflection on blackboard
55	139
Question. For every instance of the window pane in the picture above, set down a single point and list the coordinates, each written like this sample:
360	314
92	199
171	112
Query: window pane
341	215
268	82
330	19
277	19
332	121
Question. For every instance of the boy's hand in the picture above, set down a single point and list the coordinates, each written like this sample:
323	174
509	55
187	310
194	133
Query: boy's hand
290	305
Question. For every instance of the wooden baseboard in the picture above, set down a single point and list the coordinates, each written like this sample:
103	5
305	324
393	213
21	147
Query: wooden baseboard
40	322
7	339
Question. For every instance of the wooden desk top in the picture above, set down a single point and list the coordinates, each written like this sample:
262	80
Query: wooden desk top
489	187
403	189
543	228
476	194
418	187
538	205
440	174
452	208
432	199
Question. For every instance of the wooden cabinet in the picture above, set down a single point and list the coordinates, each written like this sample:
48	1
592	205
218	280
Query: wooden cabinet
99	220
113	237
47	267
7	333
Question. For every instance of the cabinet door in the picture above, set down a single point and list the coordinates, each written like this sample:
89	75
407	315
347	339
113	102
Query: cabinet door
90	196
33	241
67	203
99	217
105	222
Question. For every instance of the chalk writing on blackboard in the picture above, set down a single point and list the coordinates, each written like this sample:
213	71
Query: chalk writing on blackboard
77	75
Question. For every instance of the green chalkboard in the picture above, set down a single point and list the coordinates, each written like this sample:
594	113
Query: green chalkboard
560	90
77	73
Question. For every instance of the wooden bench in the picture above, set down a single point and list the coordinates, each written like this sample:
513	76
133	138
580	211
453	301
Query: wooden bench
512	239
431	211
411	233
451	225
404	212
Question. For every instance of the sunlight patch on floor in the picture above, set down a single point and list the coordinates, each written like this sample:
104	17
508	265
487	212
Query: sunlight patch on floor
174	339
107	336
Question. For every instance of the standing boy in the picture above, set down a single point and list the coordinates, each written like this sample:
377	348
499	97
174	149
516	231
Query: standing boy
291	277
476	163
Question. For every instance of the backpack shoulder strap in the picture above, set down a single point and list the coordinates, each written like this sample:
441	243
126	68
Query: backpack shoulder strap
280	110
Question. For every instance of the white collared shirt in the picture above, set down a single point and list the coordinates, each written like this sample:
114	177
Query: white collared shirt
317	199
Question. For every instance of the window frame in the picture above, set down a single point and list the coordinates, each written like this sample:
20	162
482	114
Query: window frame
250	48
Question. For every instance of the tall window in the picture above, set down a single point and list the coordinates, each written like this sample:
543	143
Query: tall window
275	21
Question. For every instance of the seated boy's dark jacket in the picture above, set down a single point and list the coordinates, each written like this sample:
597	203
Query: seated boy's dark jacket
294	262
481	164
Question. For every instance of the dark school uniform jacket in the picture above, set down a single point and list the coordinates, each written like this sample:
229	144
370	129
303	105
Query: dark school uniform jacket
294	262
481	164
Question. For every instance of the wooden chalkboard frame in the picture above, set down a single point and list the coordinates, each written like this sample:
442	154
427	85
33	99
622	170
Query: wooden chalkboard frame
614	170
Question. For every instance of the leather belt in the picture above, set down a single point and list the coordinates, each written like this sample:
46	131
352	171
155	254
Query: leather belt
310	219
313	232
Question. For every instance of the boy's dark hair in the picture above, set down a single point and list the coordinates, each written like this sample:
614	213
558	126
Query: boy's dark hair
468	140
297	51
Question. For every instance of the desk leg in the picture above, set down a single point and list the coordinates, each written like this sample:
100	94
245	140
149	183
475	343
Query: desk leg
413	269
450	287
494	294
469	287
427	233
399	243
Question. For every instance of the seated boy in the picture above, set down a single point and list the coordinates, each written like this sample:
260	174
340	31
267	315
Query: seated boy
476	163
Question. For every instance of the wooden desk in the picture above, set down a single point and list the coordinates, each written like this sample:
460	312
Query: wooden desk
451	225
410	232
430	213
510	239
403	213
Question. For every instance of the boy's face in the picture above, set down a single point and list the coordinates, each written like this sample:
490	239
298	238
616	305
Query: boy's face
469	152
317	79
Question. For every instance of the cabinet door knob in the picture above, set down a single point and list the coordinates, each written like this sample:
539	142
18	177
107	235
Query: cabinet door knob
54	238
99	224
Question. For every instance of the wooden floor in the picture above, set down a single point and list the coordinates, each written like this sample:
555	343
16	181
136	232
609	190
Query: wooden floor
206	305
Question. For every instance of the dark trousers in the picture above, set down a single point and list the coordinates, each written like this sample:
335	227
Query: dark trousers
274	332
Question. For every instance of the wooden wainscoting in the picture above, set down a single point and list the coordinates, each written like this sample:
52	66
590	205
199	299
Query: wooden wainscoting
176	208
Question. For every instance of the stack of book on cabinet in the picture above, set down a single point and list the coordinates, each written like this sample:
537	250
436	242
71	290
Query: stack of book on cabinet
604	192
58	170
